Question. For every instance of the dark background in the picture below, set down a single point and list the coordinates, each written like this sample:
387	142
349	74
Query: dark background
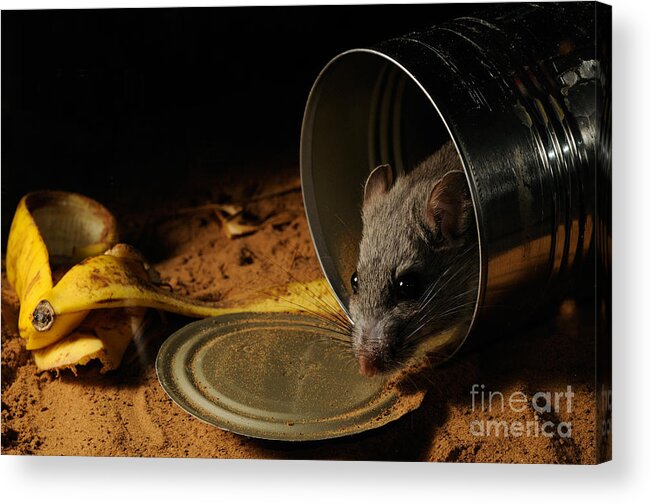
107	101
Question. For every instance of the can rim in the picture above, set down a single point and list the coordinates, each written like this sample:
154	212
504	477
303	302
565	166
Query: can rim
319	243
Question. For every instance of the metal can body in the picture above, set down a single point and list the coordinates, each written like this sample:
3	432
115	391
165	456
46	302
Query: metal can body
523	92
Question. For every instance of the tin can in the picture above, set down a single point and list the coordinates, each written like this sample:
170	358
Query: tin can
523	91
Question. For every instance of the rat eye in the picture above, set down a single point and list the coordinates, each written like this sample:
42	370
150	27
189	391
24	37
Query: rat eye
354	282
408	286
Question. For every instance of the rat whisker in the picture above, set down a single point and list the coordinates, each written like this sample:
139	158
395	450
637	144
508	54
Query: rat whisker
426	298
425	310
320	315
334	310
316	300
318	310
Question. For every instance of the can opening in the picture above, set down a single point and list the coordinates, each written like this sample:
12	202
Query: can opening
386	118
364	110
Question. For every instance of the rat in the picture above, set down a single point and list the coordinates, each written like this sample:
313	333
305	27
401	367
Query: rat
418	264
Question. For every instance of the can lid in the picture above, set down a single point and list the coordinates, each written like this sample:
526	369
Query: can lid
276	376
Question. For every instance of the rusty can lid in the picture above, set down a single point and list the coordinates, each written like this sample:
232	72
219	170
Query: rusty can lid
278	376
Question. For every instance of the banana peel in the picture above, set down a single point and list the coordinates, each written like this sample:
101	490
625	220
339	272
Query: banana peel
119	278
113	283
104	335
57	226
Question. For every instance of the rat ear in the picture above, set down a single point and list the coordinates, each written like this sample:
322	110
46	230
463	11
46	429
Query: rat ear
378	182
449	207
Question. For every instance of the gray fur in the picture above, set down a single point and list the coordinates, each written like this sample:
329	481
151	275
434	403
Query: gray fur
397	237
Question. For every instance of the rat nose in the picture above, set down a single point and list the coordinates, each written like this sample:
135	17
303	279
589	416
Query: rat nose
366	366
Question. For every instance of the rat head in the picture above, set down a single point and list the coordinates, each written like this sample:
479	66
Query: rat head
417	264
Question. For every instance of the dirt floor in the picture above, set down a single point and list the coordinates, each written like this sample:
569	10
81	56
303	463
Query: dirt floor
127	413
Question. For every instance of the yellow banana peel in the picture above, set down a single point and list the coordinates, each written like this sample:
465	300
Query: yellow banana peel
117	279
104	335
52	226
112	282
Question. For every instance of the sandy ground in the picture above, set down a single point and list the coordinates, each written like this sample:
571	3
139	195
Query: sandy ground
127	413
